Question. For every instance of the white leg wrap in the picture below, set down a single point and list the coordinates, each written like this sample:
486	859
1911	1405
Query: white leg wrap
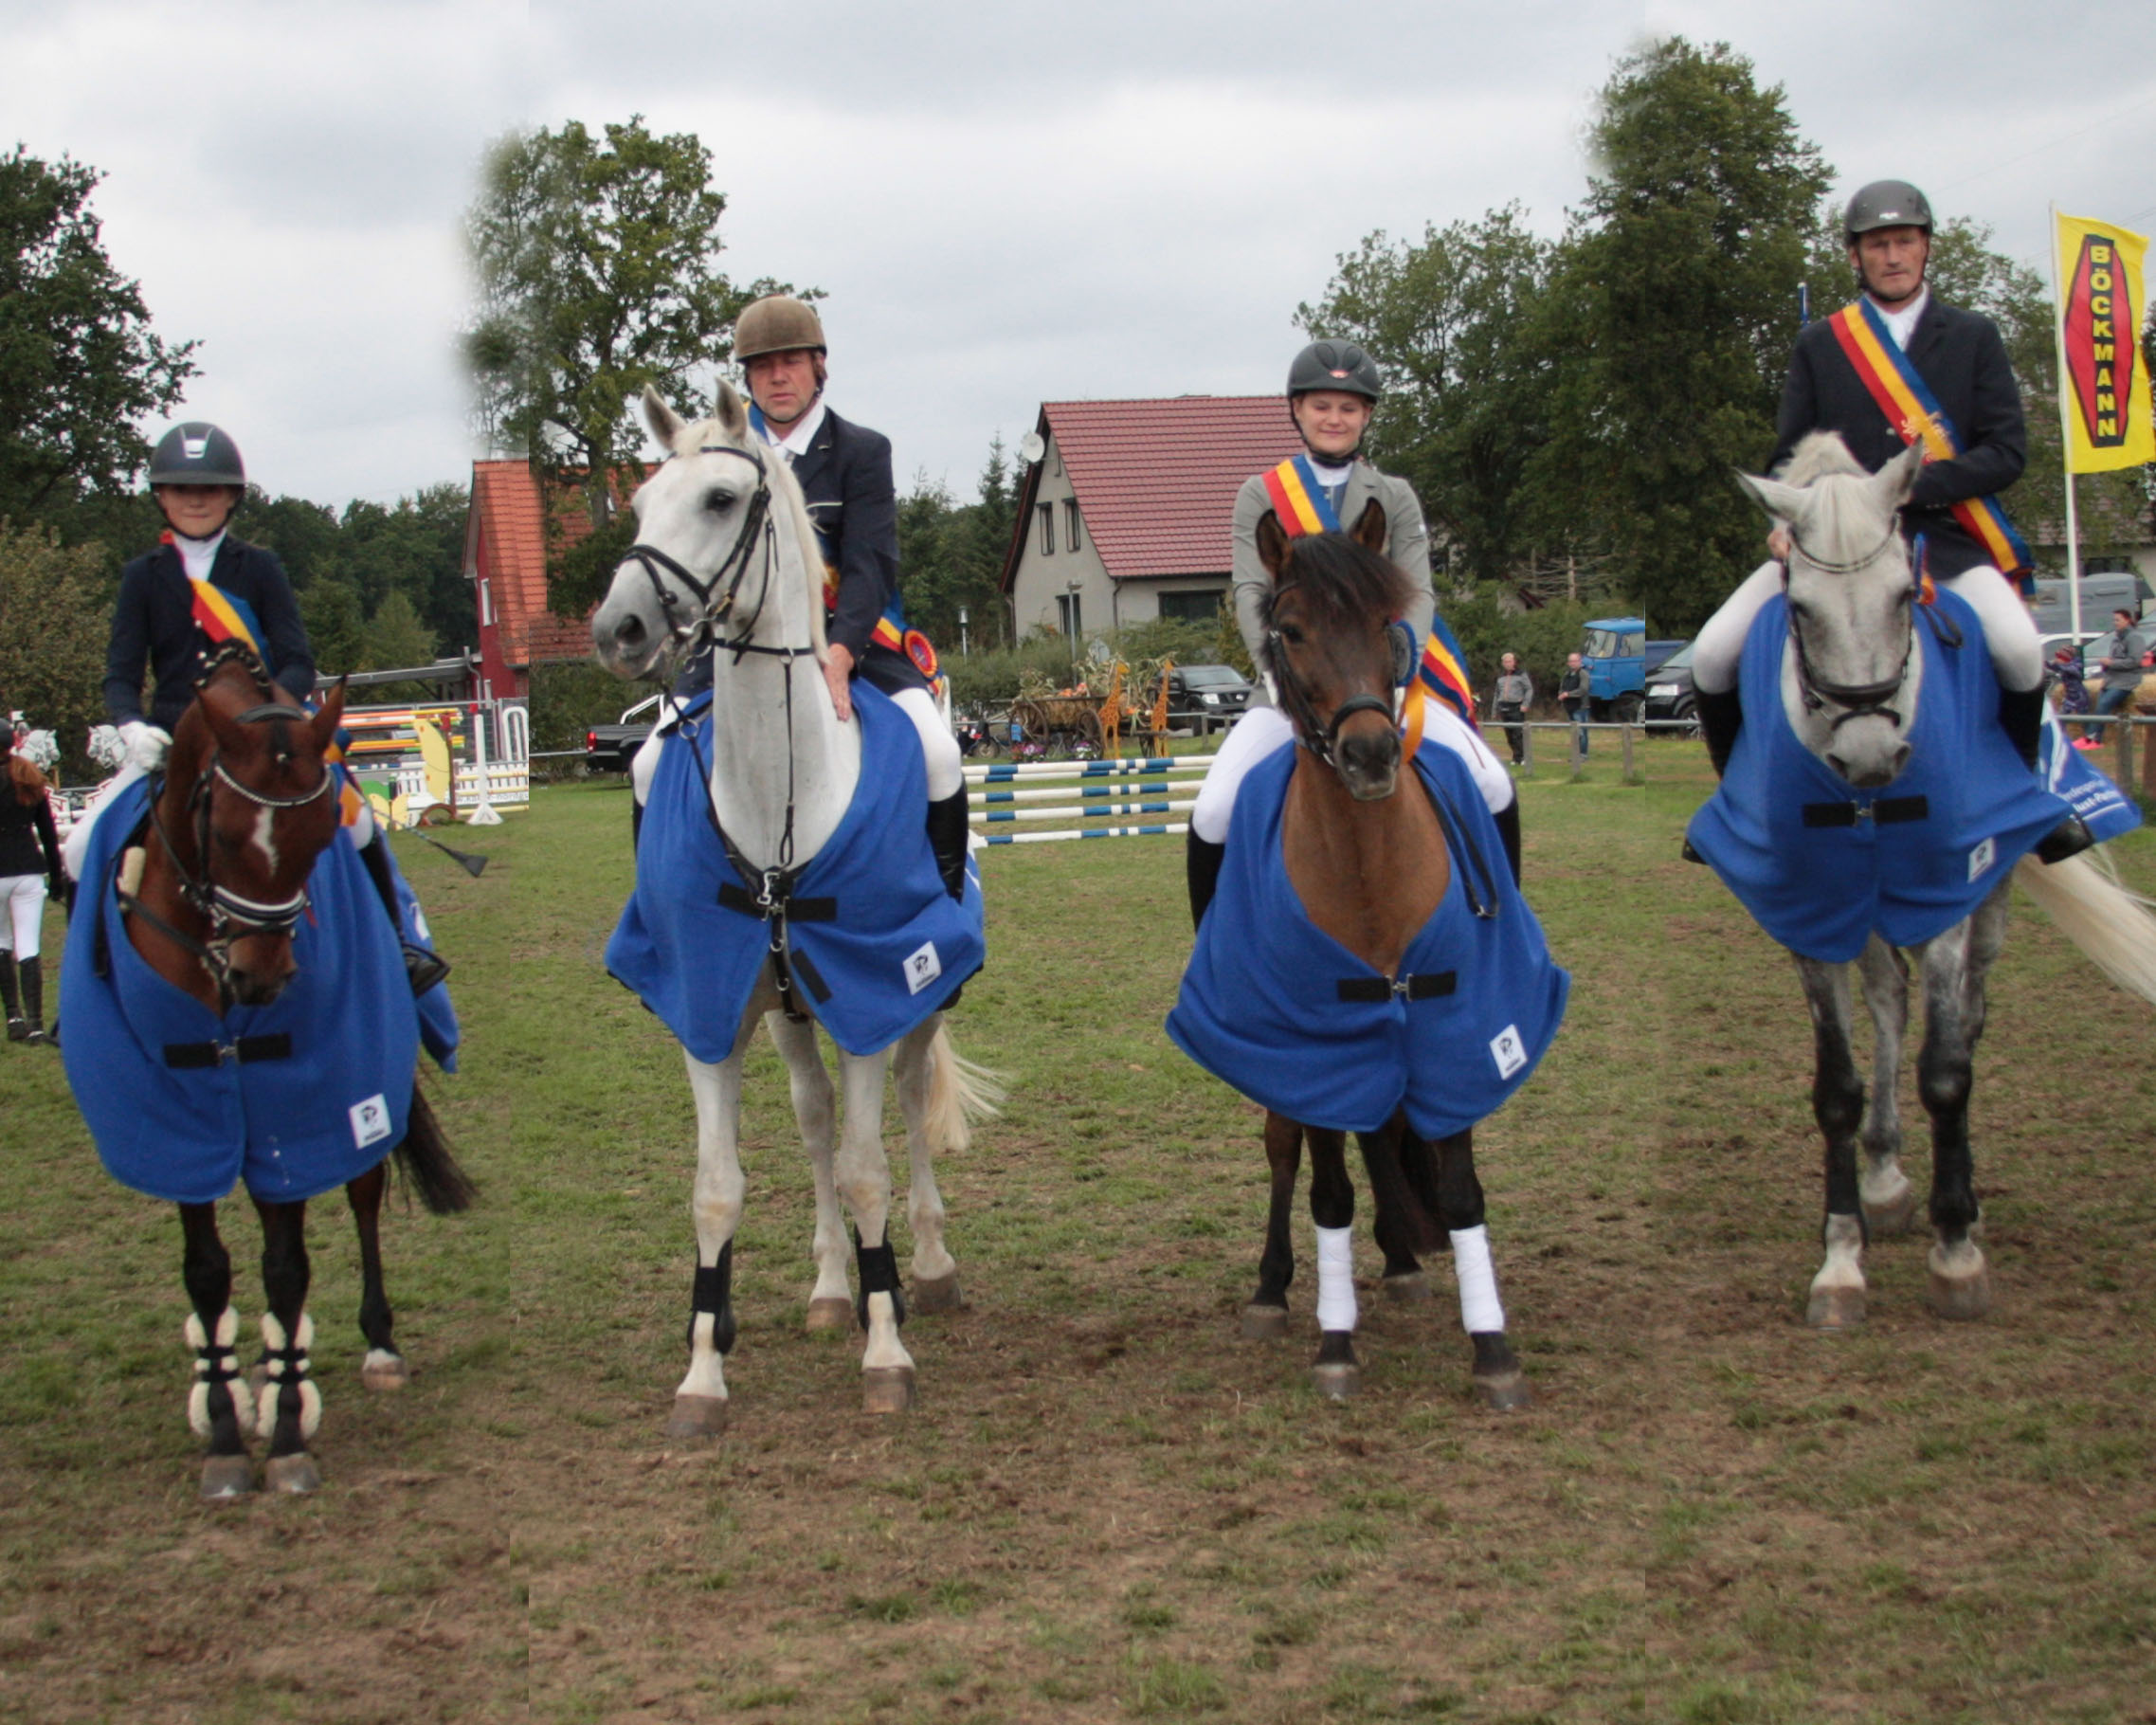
1336	1279
310	1397
228	1367
1480	1312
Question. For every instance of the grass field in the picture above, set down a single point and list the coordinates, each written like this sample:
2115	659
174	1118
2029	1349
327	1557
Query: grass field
1106	1506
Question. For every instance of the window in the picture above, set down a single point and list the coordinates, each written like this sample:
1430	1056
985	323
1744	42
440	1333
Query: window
1070	522
1191	608
486	602
1047	530
1067	613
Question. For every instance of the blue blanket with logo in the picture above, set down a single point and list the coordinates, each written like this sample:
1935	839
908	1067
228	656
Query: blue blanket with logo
876	945
293	1098
1276	1008
1823	867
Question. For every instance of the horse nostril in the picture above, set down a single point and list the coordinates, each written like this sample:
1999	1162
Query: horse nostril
629	631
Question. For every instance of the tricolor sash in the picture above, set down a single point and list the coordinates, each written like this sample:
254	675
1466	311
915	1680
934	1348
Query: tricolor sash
1300	499
1914	412
225	616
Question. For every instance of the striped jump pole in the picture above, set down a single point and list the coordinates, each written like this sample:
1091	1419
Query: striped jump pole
1090	794
1085	812
1089	832
1005	771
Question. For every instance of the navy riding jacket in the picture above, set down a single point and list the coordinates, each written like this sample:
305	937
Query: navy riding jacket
1961	357
155	620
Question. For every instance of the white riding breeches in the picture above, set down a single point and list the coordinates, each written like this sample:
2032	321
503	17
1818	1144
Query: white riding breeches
77	845
2017	650
1261	730
22	911
939	748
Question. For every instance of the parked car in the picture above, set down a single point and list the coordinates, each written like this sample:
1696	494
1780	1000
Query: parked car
1200	697
1672	705
610	748
1618	656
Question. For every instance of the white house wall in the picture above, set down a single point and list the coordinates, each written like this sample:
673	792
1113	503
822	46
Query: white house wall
1043	578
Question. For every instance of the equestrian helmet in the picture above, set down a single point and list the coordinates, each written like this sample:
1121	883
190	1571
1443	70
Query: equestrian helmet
778	324
1886	204
196	453
1335	365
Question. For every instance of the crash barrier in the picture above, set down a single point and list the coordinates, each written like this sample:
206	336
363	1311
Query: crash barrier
1084	791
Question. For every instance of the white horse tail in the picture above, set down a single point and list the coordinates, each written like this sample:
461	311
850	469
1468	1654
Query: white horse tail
959	1094
2108	921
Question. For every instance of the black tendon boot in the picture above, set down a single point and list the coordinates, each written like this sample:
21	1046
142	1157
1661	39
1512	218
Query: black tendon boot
1508	819
2021	717
1201	866
18	1026
33	1000
949	837
422	969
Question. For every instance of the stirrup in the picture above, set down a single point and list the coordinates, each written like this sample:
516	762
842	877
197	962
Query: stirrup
422	969
2070	837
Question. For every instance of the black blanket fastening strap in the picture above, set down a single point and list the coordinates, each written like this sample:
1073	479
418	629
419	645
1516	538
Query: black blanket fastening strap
1425	985
1887	812
196	1057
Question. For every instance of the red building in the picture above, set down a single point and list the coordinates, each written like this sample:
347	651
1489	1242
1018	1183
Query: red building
505	560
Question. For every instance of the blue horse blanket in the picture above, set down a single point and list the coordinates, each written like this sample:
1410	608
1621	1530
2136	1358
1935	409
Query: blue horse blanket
1823	867
1276	1008
295	1097
876	945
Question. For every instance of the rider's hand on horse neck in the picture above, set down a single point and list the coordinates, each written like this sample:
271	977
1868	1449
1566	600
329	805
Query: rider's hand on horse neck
838	673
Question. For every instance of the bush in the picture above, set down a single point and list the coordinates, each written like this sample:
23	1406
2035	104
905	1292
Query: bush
567	699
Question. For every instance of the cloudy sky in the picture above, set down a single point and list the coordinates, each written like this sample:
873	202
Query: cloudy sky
1004	203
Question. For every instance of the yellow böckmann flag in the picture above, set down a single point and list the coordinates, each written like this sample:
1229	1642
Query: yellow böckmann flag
2108	418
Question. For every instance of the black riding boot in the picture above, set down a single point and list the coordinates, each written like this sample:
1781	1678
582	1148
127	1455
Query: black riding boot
1508	819
10	997
1721	716
33	1000
422	969
2021	717
950	837
1202	867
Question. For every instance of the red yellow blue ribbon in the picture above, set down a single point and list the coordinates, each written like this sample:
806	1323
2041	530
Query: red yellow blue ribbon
1299	500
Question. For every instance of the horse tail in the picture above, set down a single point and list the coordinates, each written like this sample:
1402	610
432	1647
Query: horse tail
1403	1183
959	1094
423	1159
2109	922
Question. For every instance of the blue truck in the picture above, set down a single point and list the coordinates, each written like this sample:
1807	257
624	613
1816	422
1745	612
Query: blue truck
1619	656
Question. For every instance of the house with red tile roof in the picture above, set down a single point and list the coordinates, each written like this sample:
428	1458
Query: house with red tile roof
505	560
1126	516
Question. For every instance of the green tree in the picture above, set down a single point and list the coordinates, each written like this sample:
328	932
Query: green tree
52	638
78	364
595	259
336	627
1677	293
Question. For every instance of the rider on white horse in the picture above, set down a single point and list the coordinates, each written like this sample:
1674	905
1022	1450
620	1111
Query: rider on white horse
844	474
1333	391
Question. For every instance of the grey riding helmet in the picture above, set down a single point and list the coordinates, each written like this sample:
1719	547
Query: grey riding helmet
1335	365
196	453
1886	204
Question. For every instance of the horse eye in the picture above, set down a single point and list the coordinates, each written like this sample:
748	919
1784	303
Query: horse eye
719	499
1290	633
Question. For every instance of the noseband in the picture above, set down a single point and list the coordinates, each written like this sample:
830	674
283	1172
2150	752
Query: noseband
683	639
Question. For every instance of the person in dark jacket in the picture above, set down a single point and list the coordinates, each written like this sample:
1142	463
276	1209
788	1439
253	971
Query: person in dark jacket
29	863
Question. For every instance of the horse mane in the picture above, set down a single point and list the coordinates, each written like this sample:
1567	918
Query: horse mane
785	495
1818	455
1344	582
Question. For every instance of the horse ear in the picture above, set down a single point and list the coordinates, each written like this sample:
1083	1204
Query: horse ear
728	412
665	423
1782	502
1272	544
1893	484
1374	532
323	727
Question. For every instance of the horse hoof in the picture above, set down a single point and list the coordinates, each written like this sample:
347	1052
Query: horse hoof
382	1370
1893	1217
1335	1380
225	1477
1407	1288
1264	1324
696	1416
1961	1297
887	1388
830	1313
938	1294
1837	1308
293	1475
1503	1391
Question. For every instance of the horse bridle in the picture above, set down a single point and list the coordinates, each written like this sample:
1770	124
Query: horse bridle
1867	700
1319	738
756	525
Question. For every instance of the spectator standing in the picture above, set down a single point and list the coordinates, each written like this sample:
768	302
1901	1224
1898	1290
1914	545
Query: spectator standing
1572	695
1511	698
2121	652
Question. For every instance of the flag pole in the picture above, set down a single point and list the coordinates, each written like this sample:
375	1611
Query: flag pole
2065	440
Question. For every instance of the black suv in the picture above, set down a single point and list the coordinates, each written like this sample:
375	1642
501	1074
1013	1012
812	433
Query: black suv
1200	697
1672	705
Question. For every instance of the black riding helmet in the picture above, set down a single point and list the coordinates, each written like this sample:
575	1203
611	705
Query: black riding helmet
1335	365
196	453
1886	204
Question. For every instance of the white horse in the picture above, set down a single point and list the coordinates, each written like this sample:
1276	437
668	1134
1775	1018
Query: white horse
1846	664
724	540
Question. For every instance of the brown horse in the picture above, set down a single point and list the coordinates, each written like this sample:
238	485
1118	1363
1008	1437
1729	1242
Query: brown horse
1370	867
211	897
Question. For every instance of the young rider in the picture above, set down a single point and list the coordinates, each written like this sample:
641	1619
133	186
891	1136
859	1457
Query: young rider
844	474
29	861
1333	391
1900	344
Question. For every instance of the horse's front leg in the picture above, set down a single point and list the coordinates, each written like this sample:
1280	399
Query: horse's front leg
1332	1209
219	1408
1888	1199
699	1402
1265	1319
815	1112
1837	1103
1954	966
1498	1378
917	1072
384	1367
291	1406
865	1183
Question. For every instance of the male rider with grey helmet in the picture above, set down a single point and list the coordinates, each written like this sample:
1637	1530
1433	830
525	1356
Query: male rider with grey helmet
1333	391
